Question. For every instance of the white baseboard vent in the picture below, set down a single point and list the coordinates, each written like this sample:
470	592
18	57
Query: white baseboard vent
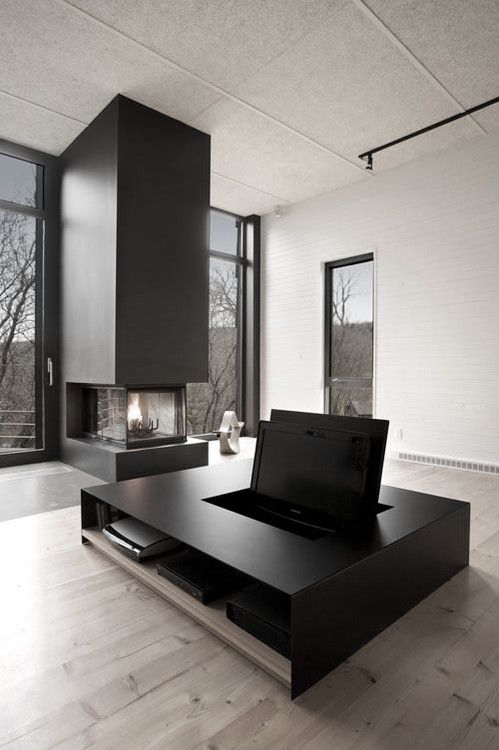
448	463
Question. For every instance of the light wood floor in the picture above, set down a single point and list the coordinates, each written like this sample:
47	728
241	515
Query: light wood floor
89	658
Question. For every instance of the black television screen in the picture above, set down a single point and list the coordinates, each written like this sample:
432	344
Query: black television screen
311	473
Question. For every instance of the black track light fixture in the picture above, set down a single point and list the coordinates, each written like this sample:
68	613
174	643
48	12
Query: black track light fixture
367	156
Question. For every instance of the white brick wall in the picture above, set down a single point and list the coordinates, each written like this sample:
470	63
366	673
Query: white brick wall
433	225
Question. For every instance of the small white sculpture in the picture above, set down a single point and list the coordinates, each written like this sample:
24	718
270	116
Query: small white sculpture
230	432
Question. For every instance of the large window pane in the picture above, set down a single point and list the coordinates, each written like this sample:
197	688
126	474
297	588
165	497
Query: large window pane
207	402
352	321
18	243
20	181
224	232
349	339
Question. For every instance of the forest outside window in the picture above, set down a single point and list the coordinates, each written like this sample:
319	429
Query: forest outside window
29	286
232	310
349	337
21	238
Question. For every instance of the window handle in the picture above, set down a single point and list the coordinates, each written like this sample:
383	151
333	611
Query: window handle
50	370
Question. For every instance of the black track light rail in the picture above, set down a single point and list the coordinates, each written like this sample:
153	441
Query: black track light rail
367	156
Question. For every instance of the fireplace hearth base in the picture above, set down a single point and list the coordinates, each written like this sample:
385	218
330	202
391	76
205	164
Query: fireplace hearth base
114	464
122	432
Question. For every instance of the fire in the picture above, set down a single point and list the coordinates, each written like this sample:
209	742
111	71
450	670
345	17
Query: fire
134	415
139	427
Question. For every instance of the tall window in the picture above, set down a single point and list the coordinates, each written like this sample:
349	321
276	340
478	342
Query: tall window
21	236
349	337
206	402
28	305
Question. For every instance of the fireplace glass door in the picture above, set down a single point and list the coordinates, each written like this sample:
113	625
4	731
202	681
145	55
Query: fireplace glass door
155	416
132	417
104	410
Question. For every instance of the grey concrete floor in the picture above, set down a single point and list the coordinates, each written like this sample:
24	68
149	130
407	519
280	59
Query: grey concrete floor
37	488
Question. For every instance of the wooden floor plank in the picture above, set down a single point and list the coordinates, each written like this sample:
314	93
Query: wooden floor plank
212	616
92	659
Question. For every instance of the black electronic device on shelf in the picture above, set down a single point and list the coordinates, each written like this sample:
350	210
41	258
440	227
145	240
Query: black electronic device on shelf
200	575
265	614
138	540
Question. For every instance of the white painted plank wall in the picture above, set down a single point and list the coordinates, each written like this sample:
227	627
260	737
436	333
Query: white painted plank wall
434	227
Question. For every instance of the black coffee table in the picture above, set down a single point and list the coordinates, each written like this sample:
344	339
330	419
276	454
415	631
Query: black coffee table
344	587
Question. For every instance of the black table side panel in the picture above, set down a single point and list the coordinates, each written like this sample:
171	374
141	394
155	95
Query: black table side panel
333	619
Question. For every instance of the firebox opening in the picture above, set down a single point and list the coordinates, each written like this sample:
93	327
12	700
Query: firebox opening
134	416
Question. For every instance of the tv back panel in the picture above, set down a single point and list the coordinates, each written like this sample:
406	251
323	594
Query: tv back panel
311	474
377	429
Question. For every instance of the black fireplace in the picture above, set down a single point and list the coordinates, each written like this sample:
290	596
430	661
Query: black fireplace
104	423
133	416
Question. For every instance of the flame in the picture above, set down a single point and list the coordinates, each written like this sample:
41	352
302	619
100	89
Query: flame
133	413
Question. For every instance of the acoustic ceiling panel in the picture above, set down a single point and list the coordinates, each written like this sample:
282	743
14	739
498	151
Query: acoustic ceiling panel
56	58
458	40
489	118
224	41
326	68
22	123
263	155
239	199
436	140
348	86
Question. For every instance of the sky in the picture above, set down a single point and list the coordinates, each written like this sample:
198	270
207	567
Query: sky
223	232
17	180
360	305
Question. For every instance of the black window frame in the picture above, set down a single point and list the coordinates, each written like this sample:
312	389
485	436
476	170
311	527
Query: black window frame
328	348
247	259
46	304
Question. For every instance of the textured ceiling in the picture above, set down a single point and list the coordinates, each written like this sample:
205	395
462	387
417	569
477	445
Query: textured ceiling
290	90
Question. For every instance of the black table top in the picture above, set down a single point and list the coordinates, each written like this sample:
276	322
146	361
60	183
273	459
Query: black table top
287	561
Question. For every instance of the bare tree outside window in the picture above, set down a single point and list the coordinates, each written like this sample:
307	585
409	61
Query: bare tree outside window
17	330
351	339
21	194
206	402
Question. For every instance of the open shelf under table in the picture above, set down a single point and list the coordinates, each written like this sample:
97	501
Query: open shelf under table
212	616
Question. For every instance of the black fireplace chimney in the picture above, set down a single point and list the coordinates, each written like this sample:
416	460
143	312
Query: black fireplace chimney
134	245
135	218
